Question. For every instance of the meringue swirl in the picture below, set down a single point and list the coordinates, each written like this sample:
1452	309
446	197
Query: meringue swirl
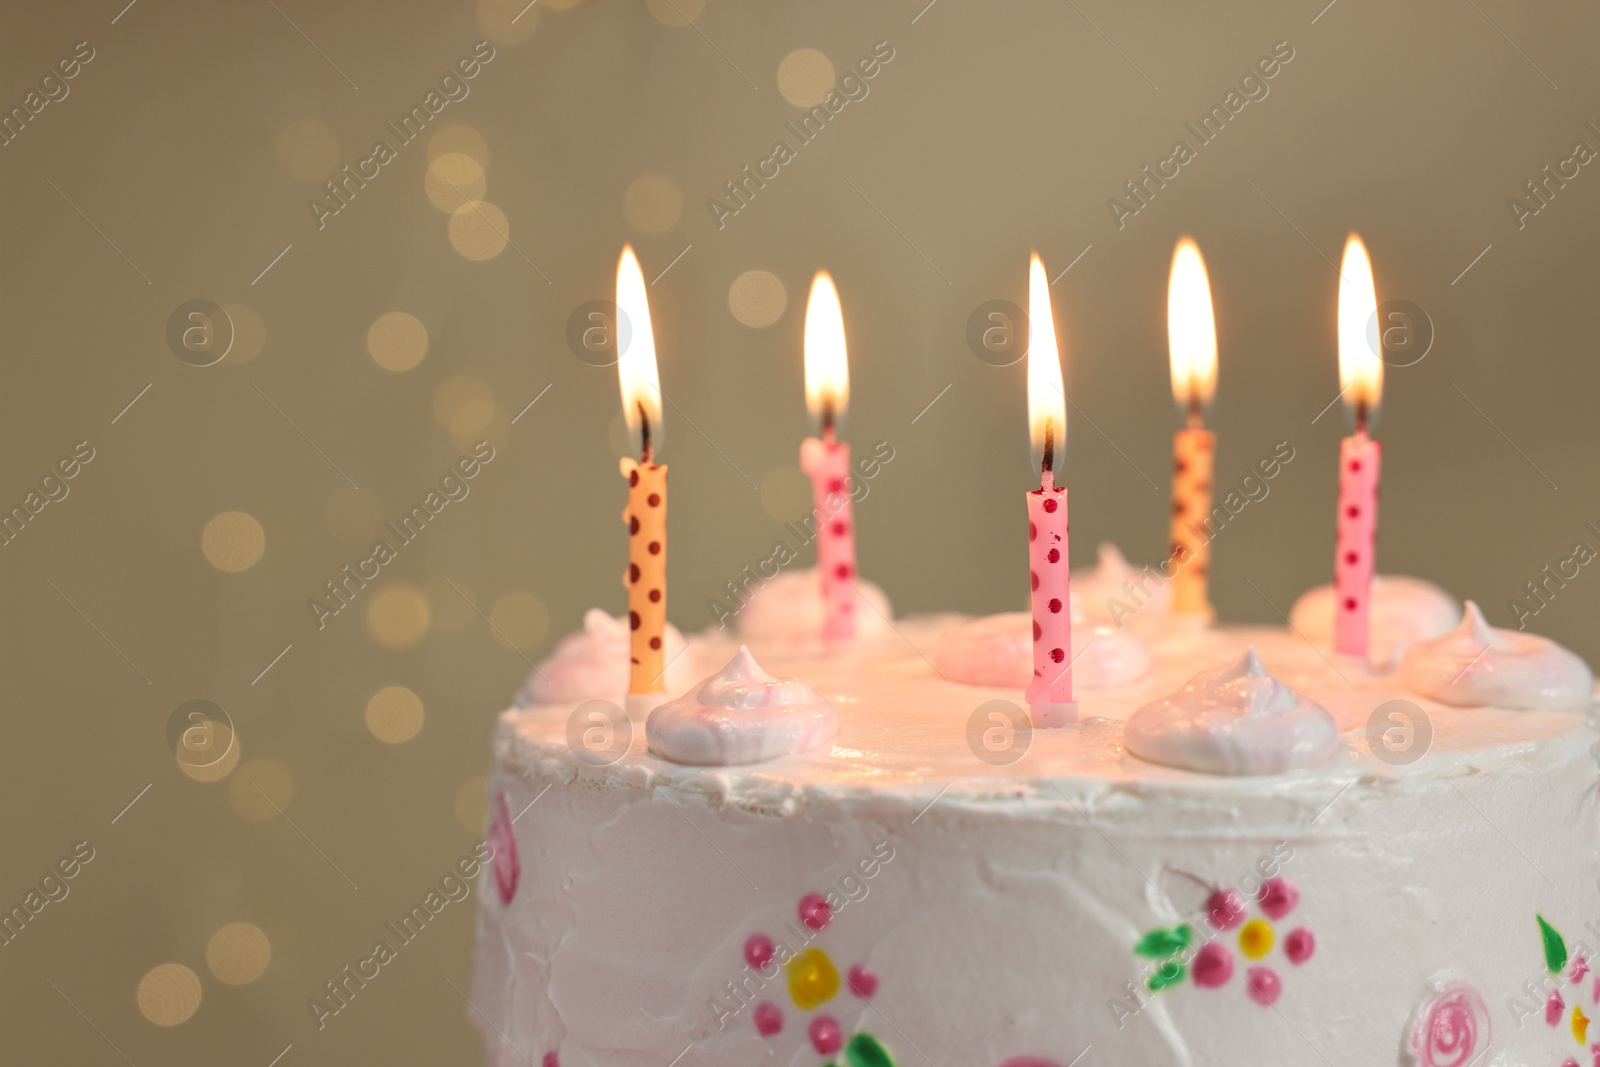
1234	719
1403	611
592	664
789	607
741	714
1114	589
997	651
1477	665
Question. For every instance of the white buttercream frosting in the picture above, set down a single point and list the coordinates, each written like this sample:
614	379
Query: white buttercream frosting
1478	665
593	664
1103	591
741	714
789	607
1403	610
997	650
1234	719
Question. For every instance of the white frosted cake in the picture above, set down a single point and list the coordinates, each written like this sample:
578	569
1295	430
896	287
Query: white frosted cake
1249	851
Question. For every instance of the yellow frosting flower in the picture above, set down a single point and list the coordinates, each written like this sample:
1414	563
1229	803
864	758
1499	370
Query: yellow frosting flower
1255	939
812	979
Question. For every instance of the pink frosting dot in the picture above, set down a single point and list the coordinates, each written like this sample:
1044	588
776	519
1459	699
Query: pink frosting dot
758	951
769	1020
1554	1008
1278	897
551	1059
1213	965
1225	909
825	1035
863	983
1580	967
1264	984
814	911
1299	945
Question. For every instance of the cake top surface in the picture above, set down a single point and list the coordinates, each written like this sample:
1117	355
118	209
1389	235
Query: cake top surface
904	728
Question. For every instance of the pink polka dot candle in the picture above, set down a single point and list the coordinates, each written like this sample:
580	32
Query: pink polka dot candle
827	460
1192	344
1361	386
646	514
1049	694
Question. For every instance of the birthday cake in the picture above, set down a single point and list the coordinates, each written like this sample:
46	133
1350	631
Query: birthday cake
1248	849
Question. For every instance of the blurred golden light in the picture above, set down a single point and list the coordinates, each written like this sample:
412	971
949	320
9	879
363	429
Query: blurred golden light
397	341
233	541
786	494
519	621
496	430
249	333
805	77
653	202
451	612
454	180
462	404
397	617
308	149
479	230
238	953
394	714
676	12
208	752
1360	360
168	994
260	784
354	516
458	137
509	21
472	805
757	298
1191	328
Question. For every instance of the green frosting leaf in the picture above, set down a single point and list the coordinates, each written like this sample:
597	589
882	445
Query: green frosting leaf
865	1050
1160	943
1171	973
1555	947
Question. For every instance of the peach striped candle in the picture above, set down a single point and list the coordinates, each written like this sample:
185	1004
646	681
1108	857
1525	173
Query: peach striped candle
646	514
1192	346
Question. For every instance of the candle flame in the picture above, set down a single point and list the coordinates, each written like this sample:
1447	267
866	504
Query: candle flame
827	364
1047	398
1191	328
1360	358
636	365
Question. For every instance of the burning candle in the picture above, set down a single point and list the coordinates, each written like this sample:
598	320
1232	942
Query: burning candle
1361	387
646	513
1192	344
827	460
1049	694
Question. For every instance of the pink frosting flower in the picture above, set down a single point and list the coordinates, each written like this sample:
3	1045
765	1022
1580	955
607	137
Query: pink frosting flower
504	843
1299	945
814	911
768	1018
1278	897
1225	909
825	1035
863	983
1452	1028
1264	984
1554	1008
1213	965
758	951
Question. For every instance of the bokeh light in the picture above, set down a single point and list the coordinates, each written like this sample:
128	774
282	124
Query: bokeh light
394	714
804	77
238	953
397	616
259	785
308	149
168	994
397	341
463	404
454	180
233	541
458	137
209	754
479	230
757	298
653	202
249	333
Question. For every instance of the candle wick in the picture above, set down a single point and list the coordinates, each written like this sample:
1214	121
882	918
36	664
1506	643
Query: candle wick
1197	419
644	433
1361	415
1048	465
828	419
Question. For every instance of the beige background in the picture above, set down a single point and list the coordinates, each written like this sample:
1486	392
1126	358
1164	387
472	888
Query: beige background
169	174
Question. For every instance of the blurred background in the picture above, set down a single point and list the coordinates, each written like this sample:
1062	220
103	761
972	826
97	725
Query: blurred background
219	480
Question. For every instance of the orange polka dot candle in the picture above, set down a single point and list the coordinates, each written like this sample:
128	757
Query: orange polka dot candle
1192	346
646	514
827	459
1361	387
1049	694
